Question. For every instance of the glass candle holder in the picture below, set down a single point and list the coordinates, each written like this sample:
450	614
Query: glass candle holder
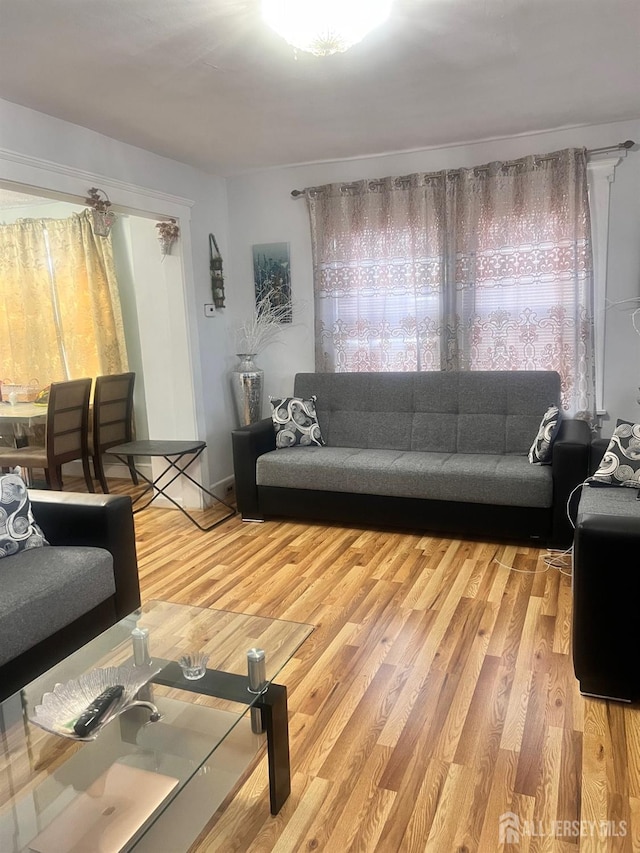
193	665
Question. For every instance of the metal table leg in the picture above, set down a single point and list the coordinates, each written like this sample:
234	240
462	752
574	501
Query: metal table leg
157	490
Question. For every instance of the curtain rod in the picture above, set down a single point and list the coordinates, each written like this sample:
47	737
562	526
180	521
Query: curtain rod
629	143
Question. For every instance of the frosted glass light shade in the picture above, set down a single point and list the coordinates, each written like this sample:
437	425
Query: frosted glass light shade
324	26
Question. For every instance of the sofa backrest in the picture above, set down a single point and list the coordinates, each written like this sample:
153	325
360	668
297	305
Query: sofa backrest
448	412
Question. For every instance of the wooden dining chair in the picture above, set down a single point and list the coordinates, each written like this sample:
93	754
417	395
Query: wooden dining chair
66	435
112	421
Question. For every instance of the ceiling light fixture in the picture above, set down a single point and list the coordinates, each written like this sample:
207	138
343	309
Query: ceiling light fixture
324	26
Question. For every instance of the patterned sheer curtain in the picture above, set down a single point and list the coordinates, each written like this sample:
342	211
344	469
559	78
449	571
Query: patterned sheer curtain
468	269
60	315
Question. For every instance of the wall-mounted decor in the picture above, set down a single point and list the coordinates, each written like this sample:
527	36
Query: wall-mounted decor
215	270
168	233
272	277
101	217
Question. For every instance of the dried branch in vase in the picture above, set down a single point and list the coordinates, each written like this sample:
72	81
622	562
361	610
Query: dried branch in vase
262	328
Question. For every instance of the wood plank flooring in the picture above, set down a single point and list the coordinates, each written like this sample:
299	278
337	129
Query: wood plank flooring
435	695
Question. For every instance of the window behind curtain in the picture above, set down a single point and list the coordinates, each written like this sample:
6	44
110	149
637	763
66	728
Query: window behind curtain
60	314
478	269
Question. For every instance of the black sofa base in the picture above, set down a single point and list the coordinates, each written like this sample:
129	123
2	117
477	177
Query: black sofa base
606	591
479	520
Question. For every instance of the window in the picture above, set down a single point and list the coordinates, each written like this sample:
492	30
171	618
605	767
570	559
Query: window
60	316
472	269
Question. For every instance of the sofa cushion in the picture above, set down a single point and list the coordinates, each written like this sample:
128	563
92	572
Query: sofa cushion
44	589
18	529
620	465
472	412
541	450
504	480
616	502
295	422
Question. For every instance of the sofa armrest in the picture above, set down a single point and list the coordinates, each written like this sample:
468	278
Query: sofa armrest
598	447
605	613
250	442
100	521
570	466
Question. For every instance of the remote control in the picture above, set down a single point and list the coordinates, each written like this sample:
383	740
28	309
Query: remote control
95	712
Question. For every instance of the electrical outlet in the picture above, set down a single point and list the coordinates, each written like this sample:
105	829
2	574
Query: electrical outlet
209	309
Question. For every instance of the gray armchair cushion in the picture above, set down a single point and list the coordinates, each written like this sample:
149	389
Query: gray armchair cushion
45	589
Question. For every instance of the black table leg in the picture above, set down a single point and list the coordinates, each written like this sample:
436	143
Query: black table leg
156	489
273	706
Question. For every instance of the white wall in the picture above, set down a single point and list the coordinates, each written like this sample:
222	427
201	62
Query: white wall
261	210
43	152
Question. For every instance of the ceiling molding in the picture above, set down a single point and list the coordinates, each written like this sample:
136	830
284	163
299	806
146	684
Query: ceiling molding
91	178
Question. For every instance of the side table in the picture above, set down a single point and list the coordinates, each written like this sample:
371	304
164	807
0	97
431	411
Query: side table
175	454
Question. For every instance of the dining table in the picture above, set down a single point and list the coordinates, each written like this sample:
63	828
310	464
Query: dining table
16	418
22	414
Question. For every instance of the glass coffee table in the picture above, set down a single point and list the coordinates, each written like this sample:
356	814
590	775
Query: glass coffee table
145	783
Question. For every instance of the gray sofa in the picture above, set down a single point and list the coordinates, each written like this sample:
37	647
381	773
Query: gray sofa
442	451
56	598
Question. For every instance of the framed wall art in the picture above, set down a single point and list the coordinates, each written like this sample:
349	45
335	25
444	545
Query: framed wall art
272	276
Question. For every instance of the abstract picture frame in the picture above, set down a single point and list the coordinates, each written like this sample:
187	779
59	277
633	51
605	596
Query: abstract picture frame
272	276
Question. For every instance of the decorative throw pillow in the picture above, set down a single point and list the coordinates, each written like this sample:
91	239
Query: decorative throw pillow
295	422
620	465
18	529
540	450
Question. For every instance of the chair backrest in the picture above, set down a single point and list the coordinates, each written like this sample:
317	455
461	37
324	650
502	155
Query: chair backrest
68	421
112	410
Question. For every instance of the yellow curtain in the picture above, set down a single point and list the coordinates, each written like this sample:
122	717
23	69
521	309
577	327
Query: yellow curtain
60	315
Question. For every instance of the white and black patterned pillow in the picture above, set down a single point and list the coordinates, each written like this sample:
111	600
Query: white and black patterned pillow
540	450
295	422
620	465
18	529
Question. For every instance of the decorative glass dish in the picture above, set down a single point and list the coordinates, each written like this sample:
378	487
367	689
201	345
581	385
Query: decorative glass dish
193	665
59	710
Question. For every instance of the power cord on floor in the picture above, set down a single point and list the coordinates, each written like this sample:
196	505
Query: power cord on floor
522	571
555	558
560	560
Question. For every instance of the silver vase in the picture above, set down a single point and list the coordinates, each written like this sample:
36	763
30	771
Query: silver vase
246	383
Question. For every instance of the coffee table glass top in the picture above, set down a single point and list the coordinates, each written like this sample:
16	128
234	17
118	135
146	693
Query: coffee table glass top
43	777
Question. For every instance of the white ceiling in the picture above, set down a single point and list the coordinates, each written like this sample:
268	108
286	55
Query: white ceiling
207	83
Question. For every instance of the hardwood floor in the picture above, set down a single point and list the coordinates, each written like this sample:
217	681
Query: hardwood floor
435	694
